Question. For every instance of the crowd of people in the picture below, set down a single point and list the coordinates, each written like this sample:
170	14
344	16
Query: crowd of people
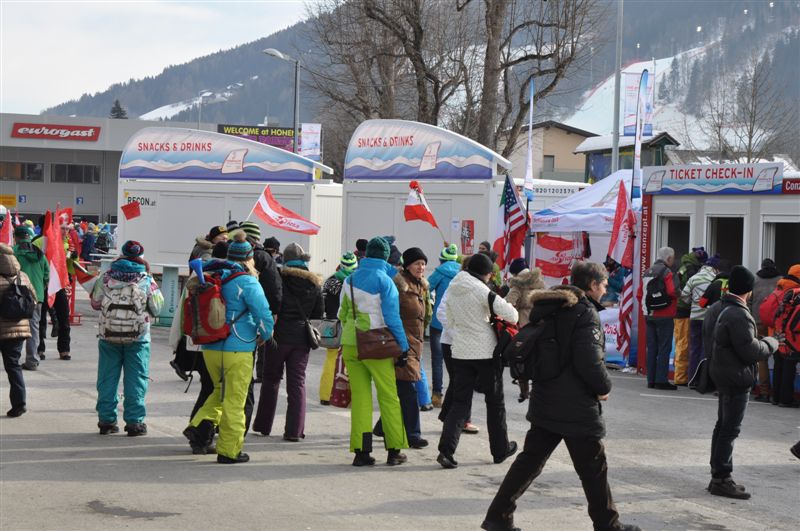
262	319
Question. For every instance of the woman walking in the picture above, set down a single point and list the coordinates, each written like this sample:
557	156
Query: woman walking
370	297
302	300
468	311
230	361
415	312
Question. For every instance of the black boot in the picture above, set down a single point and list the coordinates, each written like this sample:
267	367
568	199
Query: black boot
201	438
225	460
108	427
728	488
363	459
136	429
396	457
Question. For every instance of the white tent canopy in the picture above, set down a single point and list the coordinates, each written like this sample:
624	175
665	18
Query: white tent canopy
590	210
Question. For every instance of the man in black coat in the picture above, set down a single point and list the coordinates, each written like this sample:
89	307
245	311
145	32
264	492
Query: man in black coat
729	332
565	404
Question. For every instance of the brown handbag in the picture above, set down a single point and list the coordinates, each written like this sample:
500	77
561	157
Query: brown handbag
375	344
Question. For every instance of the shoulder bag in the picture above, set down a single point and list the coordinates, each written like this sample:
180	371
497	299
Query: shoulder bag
374	344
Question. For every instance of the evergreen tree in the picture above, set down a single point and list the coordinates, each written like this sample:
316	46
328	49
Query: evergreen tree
118	111
663	91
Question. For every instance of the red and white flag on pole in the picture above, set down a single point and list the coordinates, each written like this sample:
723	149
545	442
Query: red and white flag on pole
621	251
6	232
56	255
275	214
417	207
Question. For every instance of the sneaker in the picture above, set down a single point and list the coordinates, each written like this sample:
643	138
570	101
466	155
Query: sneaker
180	372
30	366
396	457
446	461
489	525
436	400
727	488
470	428
363	459
225	460
107	428
418	444
740	487
512	449
666	386
136	429
426	407
17	411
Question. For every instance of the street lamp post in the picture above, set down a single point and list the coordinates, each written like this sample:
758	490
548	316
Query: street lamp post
275	53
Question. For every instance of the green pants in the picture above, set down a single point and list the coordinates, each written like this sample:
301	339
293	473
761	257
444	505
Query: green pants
328	370
231	373
362	374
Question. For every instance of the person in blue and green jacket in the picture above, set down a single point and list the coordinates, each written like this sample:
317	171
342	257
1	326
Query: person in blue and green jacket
377	305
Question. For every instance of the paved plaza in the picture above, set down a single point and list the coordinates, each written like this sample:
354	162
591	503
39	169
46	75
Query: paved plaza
56	472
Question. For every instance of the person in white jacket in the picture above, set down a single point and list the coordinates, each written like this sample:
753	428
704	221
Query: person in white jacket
474	367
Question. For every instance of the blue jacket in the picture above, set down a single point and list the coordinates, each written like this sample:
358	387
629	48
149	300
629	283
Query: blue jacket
241	294
439	282
377	302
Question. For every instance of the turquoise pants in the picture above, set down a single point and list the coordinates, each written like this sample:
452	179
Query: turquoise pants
421	385
133	361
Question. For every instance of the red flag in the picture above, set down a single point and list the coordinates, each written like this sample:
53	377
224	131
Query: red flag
131	210
64	216
6	233
84	278
16	218
417	207
53	248
511	227
275	214
621	247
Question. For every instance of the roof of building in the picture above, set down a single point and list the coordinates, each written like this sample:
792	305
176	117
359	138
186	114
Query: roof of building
605	142
564	127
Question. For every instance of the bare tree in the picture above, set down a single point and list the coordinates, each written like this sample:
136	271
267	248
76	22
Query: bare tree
717	117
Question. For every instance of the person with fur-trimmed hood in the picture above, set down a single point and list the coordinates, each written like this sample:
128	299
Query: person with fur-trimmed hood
415	312
565	405
204	244
302	300
521	285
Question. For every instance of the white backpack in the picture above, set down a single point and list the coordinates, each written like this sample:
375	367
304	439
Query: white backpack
123	314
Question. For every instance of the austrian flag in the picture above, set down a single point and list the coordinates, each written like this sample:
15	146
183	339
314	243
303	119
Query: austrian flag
275	214
417	207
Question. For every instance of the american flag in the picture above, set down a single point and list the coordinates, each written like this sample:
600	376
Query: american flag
512	235
621	250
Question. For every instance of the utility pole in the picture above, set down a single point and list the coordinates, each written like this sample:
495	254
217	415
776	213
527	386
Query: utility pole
617	82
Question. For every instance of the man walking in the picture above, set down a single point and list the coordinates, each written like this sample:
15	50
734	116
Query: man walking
32	261
730	330
565	404
660	305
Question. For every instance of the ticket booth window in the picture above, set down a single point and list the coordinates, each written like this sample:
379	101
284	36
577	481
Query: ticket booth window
781	244
726	238
674	232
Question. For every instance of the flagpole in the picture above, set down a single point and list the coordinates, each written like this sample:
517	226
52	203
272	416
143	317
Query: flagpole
254	204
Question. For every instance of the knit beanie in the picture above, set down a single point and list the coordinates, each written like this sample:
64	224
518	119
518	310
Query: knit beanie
413	254
295	252
272	243
361	245
713	261
132	249
378	248
240	249
518	265
252	230
394	255
792	278
449	253
28	222
480	264
767	263
348	261
741	280
233	225
23	233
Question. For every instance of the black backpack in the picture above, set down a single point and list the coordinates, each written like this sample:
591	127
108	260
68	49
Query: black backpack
656	297
17	303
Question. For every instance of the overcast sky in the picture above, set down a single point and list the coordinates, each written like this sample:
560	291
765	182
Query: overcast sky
53	51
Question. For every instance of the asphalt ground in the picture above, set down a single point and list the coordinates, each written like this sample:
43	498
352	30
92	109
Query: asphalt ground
57	472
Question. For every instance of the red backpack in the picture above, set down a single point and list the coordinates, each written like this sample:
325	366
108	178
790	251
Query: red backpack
768	308
787	324
204	309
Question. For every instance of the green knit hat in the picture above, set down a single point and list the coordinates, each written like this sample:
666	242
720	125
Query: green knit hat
378	248
349	261
449	253
252	230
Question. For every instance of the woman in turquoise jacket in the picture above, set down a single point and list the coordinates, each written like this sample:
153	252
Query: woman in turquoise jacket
377	305
230	361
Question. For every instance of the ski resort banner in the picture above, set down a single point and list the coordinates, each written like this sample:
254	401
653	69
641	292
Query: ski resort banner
757	178
403	150
279	137
188	154
632	101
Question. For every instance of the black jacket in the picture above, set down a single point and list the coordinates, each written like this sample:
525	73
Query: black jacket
734	346
568	404
301	289
331	292
268	276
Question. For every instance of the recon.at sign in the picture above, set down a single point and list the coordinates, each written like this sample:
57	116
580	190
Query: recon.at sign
83	133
